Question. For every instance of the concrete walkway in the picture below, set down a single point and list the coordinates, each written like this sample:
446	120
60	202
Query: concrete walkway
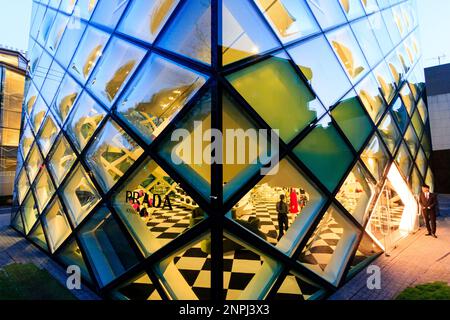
417	260
15	249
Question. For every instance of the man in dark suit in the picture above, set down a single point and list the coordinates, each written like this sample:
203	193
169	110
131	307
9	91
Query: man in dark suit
428	202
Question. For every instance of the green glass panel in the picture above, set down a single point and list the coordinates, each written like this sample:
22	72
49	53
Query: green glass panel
417	123
351	118
272	87
38	237
326	154
412	141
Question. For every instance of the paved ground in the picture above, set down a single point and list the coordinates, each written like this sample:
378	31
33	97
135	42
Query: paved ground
417	260
15	249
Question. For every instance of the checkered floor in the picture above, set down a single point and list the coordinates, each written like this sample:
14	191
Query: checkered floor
142	289
321	246
240	266
294	288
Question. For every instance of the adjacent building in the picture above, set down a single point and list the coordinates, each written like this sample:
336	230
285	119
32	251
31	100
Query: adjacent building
12	85
106	185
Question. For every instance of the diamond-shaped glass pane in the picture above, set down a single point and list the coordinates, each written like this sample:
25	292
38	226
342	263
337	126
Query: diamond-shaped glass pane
38	237
421	162
389	132
189	33
354	122
38	114
79	195
430	180
65	98
140	288
417	123
415	181
357	194
112	154
48	134
325	153
403	160
44	189
117	65
106	247
386	82
290	20
328	13
370	95
367	251
145	19
27	139
329	249
376	157
84	121
421	106
182	155
321	68
22	185
61	160
412	141
298	106
408	98
401	114
282	223
108	13
71	255
34	163
155	208
56	225
17	223
29	212
159	91
244	33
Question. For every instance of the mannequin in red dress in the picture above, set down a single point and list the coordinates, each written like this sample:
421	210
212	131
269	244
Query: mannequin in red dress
293	205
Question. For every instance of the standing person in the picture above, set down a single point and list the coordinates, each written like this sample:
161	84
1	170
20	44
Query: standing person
283	220
428	202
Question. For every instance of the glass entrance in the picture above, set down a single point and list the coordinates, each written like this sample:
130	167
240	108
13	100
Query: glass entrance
395	215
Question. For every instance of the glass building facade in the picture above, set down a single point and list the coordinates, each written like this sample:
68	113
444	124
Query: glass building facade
12	85
99	185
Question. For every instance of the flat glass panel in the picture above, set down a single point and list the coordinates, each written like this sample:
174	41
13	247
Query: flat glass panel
106	247
145	19
56	225
367	41
290	19
52	81
84	121
297	106
70	41
79	195
117	65
108	12
376	157
381	33
320	67
258	210
244	34
325	153
329	249
157	94
154	208
189	33
85	8
357	194
352	8
353	121
112	154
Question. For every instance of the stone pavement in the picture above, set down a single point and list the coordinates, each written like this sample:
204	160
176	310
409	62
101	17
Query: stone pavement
417	260
15	249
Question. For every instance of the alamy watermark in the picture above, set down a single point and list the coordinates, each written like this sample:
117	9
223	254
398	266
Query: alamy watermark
241	147
374	277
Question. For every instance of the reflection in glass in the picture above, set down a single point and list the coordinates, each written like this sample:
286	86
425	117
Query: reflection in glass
389	132
371	97
412	141
404	160
297	288
244	33
71	255
48	134
189	33
22	185
61	160
328	13
65	98
44	189
157	94
400	114
30	212
38	237
34	163
112	154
